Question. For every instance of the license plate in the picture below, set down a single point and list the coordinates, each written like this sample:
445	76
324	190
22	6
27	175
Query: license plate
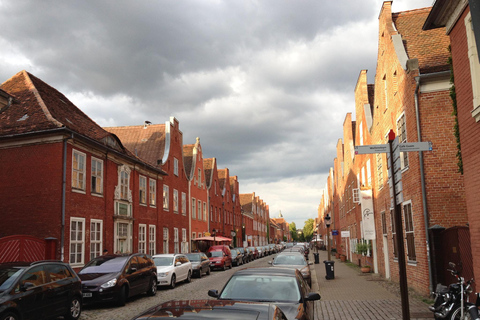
87	294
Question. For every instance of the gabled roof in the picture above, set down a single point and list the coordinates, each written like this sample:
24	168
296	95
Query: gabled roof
246	202
208	165
222	177
430	47
188	159
146	141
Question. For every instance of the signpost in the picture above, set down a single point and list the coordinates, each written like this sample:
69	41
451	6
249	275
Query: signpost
393	149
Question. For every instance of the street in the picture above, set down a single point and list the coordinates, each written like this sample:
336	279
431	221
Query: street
197	289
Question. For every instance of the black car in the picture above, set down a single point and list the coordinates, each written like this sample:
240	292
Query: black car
200	263
39	290
214	309
237	257
284	287
118	277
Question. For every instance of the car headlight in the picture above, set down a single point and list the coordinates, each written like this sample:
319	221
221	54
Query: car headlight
109	284
163	274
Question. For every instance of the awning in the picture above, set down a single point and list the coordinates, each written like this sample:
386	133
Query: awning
217	238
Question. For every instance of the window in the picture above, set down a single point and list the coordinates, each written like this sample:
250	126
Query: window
95	238
402	138
142	237
78	170
175	166
152	233
409	236
124	183
184	203
123	237
194	235
204	211
175	201
165	197
394	233
165	240
199	209
379	170
194	209
369	173
211	213
77	241
199	178
474	66
184	241
175	240
152	192
97	176
385	91
142	187
360	129
384	224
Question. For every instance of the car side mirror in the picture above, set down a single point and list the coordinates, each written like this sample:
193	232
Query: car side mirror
312	296
213	293
270	262
310	263
132	269
178	264
26	286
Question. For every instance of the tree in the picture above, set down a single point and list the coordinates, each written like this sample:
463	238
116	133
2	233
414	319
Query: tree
293	231
308	230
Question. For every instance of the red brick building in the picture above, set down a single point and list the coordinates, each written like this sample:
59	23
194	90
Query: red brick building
162	145
462	25
71	180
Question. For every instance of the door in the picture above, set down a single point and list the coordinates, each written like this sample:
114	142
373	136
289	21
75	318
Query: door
386	257
60	284
34	301
134	276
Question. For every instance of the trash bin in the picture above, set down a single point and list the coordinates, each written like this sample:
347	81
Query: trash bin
317	259
329	269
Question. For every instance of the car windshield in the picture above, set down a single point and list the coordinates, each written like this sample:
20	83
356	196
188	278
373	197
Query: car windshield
104	264
163	261
216	254
291	259
193	257
261	287
8	277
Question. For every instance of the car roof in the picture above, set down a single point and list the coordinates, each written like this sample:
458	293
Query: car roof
267	271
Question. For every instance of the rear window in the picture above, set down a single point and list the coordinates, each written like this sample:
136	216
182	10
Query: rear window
104	264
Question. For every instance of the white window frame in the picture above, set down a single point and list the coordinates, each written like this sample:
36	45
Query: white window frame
120	238
96	238
184	241
175	166
77	242
199	208
97	176
204	211
194	208
165	197
402	139
79	169
123	188
199	177
474	66
152	192
175	241
142	190
184	203
175	200
142	238
152	239
165	240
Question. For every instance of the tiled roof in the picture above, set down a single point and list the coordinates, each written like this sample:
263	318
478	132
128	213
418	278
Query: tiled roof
246	202
188	159
222	176
208	169
430	47
146	141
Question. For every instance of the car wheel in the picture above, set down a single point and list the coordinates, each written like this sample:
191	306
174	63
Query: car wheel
200	273
208	271
152	290
9	316
75	309
231	265
189	277
224	266
122	297
172	282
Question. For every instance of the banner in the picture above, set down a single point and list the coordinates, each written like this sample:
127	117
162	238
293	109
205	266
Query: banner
366	202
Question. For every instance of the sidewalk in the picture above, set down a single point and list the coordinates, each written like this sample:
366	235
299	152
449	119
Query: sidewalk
358	296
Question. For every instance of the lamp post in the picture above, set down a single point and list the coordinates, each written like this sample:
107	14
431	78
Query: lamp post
214	232
327	224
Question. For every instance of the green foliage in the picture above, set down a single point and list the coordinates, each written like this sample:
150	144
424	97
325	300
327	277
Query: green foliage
308	230
362	248
293	231
456	129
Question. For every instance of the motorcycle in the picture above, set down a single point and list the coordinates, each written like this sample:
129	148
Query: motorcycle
452	302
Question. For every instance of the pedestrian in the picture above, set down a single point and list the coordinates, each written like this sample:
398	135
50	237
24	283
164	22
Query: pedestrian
105	251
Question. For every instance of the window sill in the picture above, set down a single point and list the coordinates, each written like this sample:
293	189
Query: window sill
143	204
79	191
476	114
412	263
98	195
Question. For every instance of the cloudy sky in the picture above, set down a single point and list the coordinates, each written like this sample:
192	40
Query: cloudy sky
264	84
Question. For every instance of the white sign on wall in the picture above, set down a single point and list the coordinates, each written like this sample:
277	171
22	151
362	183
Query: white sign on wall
368	219
345	234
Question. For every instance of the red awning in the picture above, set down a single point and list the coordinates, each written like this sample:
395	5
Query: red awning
218	238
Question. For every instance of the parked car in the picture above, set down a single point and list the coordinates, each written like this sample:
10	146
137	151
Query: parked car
248	256
200	263
117	277
213	309
220	257
172	268
261	252
39	290
282	286
237	257
254	252
296	261
244	254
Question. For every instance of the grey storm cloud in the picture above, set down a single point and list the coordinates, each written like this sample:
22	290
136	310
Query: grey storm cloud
265	84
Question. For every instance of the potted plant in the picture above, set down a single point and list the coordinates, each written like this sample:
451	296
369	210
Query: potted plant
366	269
343	258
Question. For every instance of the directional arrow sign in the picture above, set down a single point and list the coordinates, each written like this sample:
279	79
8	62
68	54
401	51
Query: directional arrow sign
415	146
375	148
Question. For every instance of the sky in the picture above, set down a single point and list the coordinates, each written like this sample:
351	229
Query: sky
265	85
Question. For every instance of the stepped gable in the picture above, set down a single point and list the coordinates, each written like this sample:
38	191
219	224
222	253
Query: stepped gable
430	47
146	141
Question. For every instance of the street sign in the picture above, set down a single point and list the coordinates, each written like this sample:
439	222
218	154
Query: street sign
374	148
334	232
345	234
415	146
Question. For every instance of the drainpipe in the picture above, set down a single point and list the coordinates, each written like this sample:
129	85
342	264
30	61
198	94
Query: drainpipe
422	178
64	187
